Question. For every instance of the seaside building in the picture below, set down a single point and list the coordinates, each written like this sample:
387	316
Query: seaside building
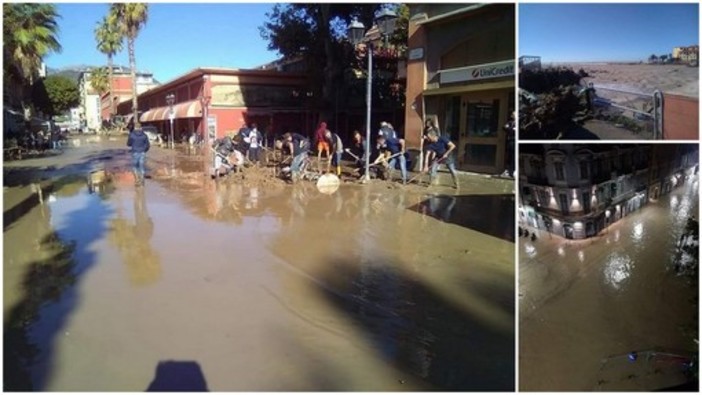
686	54
460	74
223	99
575	190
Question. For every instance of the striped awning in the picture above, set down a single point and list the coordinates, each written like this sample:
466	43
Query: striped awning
188	109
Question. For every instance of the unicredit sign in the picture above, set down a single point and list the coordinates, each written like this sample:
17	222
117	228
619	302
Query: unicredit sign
478	72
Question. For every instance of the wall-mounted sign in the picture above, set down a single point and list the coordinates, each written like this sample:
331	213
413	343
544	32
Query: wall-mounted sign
212	127
416	53
478	72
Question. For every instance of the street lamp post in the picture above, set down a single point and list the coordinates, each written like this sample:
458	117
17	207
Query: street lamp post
386	24
170	99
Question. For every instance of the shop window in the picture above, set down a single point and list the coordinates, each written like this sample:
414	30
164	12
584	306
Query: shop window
452	117
479	154
483	119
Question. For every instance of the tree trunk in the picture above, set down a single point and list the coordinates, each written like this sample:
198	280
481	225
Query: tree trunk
132	65
112	100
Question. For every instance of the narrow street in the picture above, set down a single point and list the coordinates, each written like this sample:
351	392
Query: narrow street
584	304
191	284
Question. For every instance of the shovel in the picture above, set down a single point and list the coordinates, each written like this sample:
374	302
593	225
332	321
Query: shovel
348	151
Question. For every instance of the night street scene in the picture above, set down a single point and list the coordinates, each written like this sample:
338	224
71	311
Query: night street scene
200	197
608	267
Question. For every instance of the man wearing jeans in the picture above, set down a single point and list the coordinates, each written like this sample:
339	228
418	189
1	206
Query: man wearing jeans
337	149
394	147
439	152
297	146
139	142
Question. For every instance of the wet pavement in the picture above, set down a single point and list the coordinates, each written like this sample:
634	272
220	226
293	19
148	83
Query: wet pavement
585	305
195	285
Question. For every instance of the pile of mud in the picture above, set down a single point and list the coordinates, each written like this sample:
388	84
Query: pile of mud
255	176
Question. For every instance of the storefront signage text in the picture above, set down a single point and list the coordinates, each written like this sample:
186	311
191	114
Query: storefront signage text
479	72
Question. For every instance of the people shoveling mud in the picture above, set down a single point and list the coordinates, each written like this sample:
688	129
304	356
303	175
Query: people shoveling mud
291	160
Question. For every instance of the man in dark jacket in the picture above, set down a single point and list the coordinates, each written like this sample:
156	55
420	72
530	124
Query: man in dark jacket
139	142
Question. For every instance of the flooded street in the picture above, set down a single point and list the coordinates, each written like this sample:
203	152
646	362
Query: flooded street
196	285
586	305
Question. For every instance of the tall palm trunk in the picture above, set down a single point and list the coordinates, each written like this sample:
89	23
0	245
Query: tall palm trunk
132	65
112	99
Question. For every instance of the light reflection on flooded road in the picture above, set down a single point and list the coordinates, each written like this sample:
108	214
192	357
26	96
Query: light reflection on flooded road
271	287
584	301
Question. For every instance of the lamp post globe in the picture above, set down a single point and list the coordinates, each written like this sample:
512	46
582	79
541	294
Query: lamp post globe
356	32
386	20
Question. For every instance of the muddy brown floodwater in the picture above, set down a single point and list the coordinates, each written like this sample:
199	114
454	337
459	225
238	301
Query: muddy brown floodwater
195	285
585	305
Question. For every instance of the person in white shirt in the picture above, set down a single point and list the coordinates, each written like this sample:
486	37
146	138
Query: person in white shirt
254	141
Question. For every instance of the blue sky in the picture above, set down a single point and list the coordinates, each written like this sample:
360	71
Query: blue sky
176	39
605	32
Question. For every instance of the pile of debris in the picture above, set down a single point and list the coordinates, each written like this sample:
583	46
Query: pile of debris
255	176
552	103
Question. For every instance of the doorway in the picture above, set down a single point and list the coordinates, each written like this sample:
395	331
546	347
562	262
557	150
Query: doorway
482	139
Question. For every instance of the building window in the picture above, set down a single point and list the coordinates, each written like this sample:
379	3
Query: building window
537	169
543	198
564	203
480	154
586	202
584	171
482	119
560	171
452	117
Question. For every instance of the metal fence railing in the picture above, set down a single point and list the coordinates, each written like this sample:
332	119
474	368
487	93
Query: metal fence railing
640	110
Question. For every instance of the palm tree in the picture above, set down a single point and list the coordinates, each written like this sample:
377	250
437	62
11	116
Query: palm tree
29	34
100	80
129	19
109	42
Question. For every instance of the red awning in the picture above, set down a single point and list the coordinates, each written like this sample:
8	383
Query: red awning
191	109
188	109
147	116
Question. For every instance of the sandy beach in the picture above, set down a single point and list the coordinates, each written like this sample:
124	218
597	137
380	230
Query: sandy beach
675	79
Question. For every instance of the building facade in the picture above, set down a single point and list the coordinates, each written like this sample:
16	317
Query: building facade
460	74
686	54
94	107
576	191
225	99
122	90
